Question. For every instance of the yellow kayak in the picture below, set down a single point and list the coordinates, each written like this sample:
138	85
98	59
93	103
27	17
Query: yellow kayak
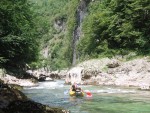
73	93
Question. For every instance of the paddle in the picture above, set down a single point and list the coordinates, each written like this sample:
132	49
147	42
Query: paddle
88	93
66	92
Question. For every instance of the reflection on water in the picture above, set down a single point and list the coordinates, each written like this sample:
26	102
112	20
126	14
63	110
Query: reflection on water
104	100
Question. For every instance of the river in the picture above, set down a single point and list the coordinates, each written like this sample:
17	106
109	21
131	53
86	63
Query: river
105	99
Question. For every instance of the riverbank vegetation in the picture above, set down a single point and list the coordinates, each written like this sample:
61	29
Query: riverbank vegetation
60	18
18	34
109	28
116	27
40	33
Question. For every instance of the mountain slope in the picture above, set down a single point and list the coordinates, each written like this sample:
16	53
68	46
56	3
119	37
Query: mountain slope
83	29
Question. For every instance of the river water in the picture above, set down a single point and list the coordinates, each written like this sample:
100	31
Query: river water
105	99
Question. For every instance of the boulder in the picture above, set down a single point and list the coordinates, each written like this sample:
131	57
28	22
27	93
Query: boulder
14	101
113	63
29	106
42	78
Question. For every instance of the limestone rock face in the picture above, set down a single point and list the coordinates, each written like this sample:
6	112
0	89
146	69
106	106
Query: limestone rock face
60	24
113	63
117	72
8	79
42	75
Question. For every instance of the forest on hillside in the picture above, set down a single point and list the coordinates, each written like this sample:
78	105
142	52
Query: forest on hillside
109	28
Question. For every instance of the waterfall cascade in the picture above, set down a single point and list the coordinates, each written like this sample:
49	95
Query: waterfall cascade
74	75
80	14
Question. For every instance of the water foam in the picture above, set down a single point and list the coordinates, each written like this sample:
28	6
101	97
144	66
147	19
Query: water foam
48	85
110	90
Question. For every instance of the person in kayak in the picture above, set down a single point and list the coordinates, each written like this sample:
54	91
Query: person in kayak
73	88
78	91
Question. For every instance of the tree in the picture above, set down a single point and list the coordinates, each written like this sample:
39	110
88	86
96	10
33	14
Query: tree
17	34
116	26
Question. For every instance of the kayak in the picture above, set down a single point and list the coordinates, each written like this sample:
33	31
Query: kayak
77	94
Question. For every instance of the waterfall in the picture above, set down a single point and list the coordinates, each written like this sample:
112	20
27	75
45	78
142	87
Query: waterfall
74	75
80	14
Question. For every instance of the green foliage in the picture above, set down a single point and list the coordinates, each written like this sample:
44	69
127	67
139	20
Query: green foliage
111	27
17	34
58	41
116	27
2	61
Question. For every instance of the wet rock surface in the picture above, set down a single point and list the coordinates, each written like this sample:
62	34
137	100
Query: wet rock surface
14	101
8	79
43	75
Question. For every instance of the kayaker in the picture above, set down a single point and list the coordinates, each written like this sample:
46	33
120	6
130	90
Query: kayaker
73	88
79	89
